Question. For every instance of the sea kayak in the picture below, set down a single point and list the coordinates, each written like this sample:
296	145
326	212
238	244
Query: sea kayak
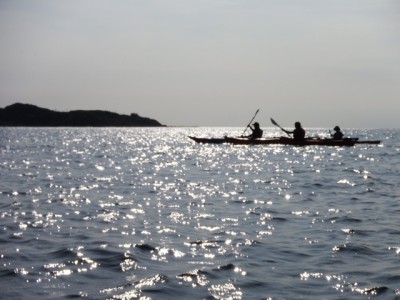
285	141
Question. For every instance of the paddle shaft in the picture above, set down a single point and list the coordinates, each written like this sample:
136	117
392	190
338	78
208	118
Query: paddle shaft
250	121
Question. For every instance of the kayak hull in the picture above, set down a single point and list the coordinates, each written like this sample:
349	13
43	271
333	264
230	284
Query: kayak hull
290	141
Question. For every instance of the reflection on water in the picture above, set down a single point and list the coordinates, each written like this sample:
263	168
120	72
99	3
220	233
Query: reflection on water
146	213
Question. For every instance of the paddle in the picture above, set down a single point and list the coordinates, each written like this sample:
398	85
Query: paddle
276	124
250	122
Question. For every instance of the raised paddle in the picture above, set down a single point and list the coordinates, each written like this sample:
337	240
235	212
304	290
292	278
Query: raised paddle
250	122
276	124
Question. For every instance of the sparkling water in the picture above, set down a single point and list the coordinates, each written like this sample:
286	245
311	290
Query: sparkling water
128	213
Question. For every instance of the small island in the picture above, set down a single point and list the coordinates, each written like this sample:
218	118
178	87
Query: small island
29	115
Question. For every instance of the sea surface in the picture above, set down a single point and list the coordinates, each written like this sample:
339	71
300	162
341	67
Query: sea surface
146	213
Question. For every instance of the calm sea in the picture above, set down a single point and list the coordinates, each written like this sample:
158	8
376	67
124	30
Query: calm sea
129	213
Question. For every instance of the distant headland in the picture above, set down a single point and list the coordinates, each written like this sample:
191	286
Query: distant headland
29	115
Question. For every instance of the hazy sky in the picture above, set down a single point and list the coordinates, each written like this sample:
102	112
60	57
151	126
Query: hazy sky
207	62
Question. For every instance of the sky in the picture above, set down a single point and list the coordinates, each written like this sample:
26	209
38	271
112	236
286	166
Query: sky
207	62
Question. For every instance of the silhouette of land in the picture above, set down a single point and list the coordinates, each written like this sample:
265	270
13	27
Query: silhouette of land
19	114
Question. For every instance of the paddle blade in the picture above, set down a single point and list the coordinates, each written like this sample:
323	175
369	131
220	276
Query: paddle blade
273	122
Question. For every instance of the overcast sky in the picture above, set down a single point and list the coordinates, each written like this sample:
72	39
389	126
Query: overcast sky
207	62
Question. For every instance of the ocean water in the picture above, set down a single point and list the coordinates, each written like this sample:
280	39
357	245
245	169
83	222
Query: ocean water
145	213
